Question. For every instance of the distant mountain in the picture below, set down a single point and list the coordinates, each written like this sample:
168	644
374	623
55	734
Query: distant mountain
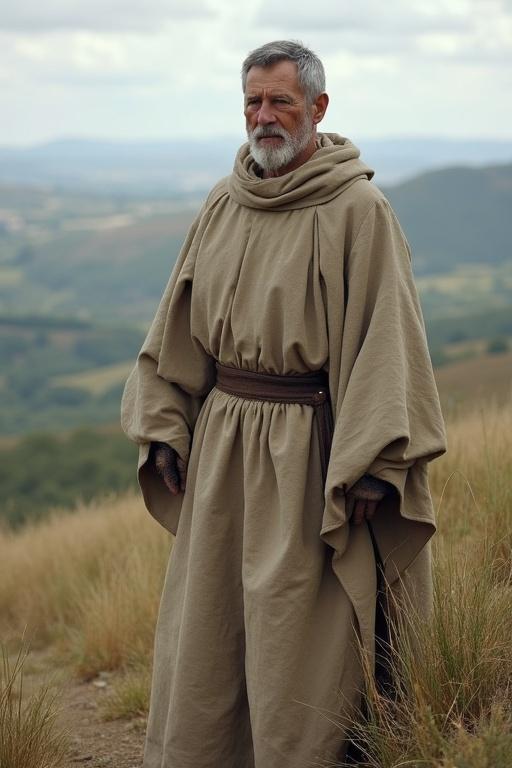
184	166
130	168
395	160
456	216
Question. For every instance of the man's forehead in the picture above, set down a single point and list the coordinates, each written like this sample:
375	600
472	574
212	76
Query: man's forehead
279	76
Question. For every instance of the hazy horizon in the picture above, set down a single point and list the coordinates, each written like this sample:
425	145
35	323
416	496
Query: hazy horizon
231	137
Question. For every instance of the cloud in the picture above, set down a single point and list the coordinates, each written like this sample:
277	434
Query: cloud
458	31
31	16
396	16
161	68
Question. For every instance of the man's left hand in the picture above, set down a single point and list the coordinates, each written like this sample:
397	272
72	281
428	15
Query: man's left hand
364	497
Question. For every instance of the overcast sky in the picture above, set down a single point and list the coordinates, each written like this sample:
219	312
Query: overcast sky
157	69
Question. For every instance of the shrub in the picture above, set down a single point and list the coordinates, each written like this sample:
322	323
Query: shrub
498	346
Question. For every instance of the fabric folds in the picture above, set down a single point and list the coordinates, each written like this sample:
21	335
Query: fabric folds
291	274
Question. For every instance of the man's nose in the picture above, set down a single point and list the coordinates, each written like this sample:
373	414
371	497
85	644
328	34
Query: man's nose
265	114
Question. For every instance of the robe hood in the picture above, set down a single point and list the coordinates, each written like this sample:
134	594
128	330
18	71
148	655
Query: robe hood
331	169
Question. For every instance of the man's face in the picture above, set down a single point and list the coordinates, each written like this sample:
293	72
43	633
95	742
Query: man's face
279	122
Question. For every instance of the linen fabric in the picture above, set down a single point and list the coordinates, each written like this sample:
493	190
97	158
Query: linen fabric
269	587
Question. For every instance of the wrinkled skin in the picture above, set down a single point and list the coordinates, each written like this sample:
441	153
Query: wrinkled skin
362	499
169	466
364	496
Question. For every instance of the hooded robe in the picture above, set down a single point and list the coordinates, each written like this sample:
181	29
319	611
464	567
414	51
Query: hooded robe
269	587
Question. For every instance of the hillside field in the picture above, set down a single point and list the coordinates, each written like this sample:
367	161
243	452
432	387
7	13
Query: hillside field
58	466
82	272
108	256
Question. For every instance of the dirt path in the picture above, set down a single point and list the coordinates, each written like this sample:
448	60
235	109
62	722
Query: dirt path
93	741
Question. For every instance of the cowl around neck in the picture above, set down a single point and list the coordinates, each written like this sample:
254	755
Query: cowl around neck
329	170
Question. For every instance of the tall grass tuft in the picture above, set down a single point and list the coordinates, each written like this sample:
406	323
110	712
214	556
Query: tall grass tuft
488	746
451	706
29	737
130	695
452	677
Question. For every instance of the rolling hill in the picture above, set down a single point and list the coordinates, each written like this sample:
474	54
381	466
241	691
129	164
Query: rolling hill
456	216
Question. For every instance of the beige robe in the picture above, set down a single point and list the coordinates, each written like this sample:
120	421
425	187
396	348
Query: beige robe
268	582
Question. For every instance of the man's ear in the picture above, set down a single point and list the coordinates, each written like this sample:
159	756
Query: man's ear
320	108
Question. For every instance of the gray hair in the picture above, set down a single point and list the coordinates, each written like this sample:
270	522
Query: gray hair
310	70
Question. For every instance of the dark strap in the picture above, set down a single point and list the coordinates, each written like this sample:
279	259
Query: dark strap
383	676
311	388
291	388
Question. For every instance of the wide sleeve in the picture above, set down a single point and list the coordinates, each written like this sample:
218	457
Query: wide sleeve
167	386
386	412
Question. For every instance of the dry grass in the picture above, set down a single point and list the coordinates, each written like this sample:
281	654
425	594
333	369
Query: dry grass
130	695
89	581
28	735
473	487
97	380
465	385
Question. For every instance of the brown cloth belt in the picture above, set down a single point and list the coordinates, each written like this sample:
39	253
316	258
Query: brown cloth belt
310	388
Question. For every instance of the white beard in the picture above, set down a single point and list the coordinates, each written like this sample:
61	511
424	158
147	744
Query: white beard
273	158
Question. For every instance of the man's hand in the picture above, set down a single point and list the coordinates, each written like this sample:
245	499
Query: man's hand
169	466
364	496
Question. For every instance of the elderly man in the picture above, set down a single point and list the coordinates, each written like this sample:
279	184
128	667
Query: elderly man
285	409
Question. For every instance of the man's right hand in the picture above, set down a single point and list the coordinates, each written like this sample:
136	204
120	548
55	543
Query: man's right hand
169	466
